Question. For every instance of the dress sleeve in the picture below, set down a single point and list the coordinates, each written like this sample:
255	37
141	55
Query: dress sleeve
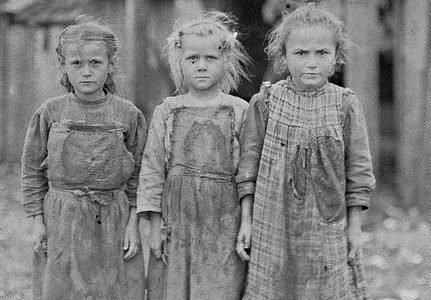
135	142
360	180
252	138
33	167
153	170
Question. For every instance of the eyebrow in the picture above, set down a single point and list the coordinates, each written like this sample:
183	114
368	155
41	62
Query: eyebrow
305	49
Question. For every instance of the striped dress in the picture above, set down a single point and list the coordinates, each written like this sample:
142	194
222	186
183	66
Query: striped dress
305	158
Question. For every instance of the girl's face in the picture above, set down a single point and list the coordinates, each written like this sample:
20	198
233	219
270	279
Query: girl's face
202	64
310	56
87	66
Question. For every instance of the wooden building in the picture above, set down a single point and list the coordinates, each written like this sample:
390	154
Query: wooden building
389	68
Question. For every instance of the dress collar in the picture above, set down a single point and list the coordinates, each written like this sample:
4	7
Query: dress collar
313	93
85	102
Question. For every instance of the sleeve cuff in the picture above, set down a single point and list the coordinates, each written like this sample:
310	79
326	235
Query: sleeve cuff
148	208
35	213
246	188
358	200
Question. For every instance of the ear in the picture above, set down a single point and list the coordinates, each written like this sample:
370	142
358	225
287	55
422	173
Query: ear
61	64
333	68
112	63
62	68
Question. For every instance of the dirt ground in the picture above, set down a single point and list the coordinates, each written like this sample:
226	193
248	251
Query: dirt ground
397	252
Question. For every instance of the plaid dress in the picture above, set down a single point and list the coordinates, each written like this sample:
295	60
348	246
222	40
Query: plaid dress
306	159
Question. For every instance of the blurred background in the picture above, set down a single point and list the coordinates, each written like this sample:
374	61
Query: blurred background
389	69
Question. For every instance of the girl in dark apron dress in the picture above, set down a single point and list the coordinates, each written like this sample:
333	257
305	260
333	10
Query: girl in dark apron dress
80	169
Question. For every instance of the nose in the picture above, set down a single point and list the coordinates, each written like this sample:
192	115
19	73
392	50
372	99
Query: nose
312	61
86	70
202	64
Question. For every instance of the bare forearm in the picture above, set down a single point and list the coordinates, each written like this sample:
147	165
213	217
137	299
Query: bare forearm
38	219
132	215
247	207
155	219
354	218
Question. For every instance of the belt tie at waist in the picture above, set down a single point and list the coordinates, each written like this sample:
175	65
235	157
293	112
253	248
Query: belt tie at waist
99	196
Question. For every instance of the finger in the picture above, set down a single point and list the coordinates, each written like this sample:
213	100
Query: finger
36	247
240	250
247	243
243	255
135	246
157	251
128	255
131	253
351	255
44	245
126	243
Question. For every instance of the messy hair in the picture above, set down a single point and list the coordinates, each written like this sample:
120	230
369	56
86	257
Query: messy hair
305	16
87	29
222	26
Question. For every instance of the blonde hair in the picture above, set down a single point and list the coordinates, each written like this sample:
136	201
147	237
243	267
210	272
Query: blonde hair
216	24
307	15
87	29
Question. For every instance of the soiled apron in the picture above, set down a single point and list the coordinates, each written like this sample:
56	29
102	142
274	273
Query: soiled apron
86	212
200	209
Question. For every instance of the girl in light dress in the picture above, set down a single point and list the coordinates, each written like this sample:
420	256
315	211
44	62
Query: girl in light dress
187	181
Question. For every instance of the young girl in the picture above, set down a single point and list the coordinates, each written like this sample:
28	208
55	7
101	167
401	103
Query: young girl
80	171
186	184
306	164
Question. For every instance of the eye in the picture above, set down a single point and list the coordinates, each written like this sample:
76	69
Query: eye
322	52
96	62
75	62
192	58
300	53
212	57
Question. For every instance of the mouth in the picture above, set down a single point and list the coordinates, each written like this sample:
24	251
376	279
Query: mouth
86	82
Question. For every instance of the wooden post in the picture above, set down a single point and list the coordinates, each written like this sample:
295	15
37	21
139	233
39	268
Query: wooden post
423	160
410	61
3	85
20	88
361	70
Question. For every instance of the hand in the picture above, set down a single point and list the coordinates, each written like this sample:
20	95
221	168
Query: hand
243	241
155	241
132	240
355	240
38	238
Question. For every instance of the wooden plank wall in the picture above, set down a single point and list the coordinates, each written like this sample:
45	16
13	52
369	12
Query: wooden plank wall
31	73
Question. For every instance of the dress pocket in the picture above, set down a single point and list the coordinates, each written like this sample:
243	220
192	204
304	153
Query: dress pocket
328	175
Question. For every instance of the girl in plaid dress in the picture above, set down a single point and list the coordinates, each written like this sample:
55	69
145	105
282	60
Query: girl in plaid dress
305	172
187	181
